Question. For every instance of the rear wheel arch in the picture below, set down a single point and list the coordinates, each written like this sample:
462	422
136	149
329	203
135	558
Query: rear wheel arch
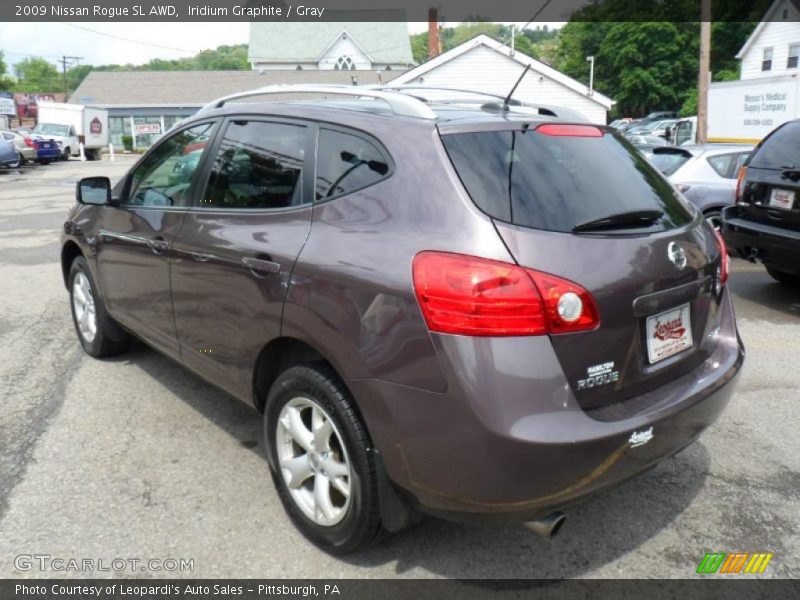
276	357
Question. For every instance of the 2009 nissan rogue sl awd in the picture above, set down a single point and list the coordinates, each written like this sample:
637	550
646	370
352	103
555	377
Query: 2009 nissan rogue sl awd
465	309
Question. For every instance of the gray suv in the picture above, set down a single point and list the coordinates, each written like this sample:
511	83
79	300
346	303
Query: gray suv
465	307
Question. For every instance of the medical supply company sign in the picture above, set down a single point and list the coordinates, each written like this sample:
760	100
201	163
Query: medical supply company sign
746	111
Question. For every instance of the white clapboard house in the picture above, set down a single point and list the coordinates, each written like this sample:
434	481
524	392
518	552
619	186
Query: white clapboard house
486	65
773	49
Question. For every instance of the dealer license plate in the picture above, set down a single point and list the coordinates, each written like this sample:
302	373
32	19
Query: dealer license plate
668	333
779	198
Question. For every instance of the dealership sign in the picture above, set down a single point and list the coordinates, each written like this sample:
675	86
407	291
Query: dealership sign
143	128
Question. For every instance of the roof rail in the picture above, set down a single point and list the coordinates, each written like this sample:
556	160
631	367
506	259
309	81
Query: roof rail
401	104
409	89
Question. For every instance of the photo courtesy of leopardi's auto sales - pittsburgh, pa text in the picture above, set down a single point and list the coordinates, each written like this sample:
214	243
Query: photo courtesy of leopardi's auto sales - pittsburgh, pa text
399	299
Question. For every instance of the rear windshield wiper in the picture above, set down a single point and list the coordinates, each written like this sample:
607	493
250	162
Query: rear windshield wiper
634	218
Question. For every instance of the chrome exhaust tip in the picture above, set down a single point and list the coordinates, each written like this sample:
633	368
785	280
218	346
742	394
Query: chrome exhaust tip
548	526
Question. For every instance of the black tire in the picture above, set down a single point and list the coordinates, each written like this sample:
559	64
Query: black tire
361	524
66	154
783	277
109	339
18	163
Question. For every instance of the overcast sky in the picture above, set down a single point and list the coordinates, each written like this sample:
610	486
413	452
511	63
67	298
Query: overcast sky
122	43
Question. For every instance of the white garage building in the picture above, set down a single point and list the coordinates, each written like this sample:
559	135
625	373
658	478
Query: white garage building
486	65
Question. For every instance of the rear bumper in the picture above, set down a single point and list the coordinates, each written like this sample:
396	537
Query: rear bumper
772	245
502	442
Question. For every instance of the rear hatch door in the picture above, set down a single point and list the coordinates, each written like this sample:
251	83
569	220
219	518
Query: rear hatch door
771	187
586	206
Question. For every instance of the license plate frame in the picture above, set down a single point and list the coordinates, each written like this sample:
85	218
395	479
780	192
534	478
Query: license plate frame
669	333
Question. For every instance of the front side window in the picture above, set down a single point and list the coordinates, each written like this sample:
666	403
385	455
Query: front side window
258	165
164	177
794	53
346	163
766	61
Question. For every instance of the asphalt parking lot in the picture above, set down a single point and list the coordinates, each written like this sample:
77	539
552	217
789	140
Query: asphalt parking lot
137	458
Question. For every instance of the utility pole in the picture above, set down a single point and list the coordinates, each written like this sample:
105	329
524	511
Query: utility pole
513	38
64	60
703	75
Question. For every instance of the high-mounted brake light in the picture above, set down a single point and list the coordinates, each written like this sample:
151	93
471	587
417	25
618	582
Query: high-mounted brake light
467	295
724	261
739	195
564	130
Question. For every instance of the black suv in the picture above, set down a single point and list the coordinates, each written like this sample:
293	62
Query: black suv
765	222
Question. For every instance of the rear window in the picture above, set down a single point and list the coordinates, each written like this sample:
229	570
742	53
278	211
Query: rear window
669	162
557	182
780	149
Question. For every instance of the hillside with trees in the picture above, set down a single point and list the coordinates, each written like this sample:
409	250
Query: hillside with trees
34	74
645	58
532	41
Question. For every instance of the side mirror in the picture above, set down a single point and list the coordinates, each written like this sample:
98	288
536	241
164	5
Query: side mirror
93	190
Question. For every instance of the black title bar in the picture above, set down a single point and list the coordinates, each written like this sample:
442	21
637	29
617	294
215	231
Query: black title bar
387	10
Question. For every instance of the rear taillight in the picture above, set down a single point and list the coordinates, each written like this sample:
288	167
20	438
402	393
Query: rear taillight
723	260
468	295
29	142
739	196
565	130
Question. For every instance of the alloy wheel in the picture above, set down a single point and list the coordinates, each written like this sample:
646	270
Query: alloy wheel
313	461
83	304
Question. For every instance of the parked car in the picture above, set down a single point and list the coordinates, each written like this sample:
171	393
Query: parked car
47	150
764	225
646	143
619	123
649	128
705	174
9	157
23	144
458	310
660	115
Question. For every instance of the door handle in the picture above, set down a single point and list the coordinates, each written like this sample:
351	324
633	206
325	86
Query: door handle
200	257
260	266
157	245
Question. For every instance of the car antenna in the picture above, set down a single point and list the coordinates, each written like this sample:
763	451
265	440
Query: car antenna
507	101
495	106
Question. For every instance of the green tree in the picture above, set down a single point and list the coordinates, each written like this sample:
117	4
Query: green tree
650	61
6	82
76	75
37	75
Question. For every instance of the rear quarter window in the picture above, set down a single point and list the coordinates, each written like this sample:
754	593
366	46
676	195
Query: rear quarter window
346	163
557	182
780	149
725	165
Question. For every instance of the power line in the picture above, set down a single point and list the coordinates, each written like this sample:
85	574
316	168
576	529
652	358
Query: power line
538	12
125	39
